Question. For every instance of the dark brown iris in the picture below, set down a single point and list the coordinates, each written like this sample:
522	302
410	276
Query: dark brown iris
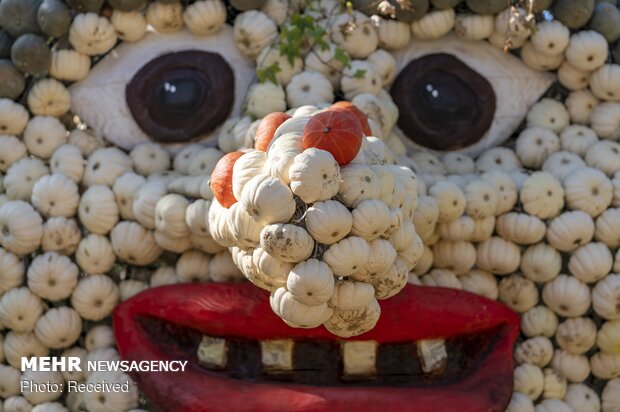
443	103
179	96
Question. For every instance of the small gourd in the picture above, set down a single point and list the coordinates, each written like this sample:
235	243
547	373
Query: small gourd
268	200
130	26
311	282
97	210
434	25
252	31
95	254
542	195
548	114
576	335
498	256
95	297
518	293
297	314
355	33
55	195
605	156
570	230
92	34
348	256
520	228
587	50
43	135
165	17
589	190
534	145
567	296
203	18
541	263
134	244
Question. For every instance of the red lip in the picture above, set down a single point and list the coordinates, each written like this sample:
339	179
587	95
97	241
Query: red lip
243	311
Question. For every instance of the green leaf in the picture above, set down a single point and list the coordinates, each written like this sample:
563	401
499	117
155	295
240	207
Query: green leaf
341	56
269	73
359	74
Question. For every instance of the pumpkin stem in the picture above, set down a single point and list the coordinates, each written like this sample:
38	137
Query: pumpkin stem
326	130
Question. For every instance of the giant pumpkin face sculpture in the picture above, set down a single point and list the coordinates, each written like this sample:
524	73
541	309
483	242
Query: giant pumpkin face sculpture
383	172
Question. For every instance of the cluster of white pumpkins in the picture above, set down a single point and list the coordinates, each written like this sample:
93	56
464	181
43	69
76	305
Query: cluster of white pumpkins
327	240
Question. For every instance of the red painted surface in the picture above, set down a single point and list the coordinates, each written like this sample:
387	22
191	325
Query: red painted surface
242	311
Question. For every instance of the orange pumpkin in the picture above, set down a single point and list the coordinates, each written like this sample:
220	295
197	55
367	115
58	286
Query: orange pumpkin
266	128
221	179
359	115
336	131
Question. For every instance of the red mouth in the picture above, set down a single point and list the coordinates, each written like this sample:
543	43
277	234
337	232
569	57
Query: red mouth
167	323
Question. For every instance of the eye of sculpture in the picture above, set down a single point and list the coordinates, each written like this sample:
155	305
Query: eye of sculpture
179	96
446	104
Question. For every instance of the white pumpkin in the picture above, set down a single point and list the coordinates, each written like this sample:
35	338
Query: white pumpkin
67	159
539	321
577	139
173	244
567	296
561	164
587	50
53	378
434	25
542	195
347	323
21	177
589	190
97	210
355	33
360	77
11	271
59	327
134	244
92	34
570	230
371	218
52	276
125	189
49	97
576	335
610	396
393	34
533	58
458	256
581	397
534	145
286	242
541	263
605	296
315	175
381	259
265	98
295	313
608	227
548	114
351	295
497	158
425	263
605	156
105	165
555	384
359	182
149	158
17	345
458	163
21	227
130	26
608	337
442	278
451	200
520	228
518	293
145	200
11	150
605	119
328	222
325	63
252	31
498	256
271	56
311	282
203	18
170	216
529	380
384	64
55	195
573	78
125	400
591	262
481	199
60	235
580	105
550	37
13	117
505	189
603	82
268	200
165	17
481	283
348	256
520	403
605	365
95	254
20	309
43	135
536	351
474	26
193	266
86	140
459	229
243	227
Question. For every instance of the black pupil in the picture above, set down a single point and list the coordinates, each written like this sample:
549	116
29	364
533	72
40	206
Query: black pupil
181	91
443	103
444	97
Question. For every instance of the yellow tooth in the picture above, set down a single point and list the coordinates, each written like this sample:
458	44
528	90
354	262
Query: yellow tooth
212	352
359	358
433	355
277	355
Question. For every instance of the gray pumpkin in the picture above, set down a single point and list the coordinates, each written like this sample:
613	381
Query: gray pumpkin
606	20
54	18
541	5
12	82
487	6
30	54
85	6
127	5
5	44
574	14
445	4
243	5
19	17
